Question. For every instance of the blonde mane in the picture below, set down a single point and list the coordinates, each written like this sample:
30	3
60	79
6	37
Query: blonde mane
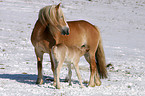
53	17
47	15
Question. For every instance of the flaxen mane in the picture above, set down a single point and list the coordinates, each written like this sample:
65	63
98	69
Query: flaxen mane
46	15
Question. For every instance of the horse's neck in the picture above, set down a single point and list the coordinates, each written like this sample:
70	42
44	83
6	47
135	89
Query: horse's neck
38	31
58	38
56	35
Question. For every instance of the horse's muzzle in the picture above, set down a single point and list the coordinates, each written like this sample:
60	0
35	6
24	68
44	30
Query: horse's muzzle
65	31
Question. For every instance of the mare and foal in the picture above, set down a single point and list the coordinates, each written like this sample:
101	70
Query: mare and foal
53	35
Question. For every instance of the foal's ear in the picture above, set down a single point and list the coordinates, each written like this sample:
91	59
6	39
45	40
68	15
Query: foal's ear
57	6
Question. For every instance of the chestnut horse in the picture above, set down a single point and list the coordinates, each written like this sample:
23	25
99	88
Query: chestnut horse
51	29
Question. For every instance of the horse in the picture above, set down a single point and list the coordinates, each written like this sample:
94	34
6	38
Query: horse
51	29
61	53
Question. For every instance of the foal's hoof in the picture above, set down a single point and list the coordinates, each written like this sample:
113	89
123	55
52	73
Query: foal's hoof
82	86
57	87
91	84
54	84
39	81
98	83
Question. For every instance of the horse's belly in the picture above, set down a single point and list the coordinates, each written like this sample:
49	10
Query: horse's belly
76	40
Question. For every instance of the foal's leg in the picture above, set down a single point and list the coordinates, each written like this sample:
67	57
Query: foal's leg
57	74
52	67
78	72
69	73
39	56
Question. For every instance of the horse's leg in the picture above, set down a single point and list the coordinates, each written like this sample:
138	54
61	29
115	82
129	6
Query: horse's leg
78	72
39	56
93	68
91	82
69	73
97	79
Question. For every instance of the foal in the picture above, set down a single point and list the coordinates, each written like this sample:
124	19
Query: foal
61	53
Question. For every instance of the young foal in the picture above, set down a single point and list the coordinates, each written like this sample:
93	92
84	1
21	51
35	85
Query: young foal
61	53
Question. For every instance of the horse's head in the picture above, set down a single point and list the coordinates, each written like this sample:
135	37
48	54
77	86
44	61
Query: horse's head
58	20
53	16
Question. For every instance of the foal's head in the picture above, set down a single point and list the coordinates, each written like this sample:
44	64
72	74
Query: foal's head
53	16
84	49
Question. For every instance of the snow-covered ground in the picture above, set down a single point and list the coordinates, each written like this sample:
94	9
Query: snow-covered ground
122	25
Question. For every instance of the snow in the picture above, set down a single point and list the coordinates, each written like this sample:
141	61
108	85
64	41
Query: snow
122	27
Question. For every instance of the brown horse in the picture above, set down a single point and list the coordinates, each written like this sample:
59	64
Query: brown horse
51	29
61	53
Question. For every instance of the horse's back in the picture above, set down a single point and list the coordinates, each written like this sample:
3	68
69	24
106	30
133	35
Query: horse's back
80	25
82	33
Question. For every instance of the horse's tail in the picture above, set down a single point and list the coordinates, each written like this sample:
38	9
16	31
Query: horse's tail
100	59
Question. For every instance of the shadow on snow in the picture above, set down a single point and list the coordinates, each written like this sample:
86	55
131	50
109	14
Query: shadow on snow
31	78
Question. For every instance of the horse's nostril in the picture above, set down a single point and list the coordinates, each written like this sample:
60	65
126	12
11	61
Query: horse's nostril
67	32
63	32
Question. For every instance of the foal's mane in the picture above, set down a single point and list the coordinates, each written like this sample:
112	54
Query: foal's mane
47	15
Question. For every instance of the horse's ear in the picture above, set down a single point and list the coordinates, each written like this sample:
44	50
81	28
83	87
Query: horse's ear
57	6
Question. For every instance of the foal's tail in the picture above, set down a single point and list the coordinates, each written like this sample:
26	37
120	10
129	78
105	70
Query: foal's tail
100	59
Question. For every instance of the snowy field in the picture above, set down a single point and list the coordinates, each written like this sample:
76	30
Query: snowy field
122	26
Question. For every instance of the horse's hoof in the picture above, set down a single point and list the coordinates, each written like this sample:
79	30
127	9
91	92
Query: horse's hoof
98	82
39	81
